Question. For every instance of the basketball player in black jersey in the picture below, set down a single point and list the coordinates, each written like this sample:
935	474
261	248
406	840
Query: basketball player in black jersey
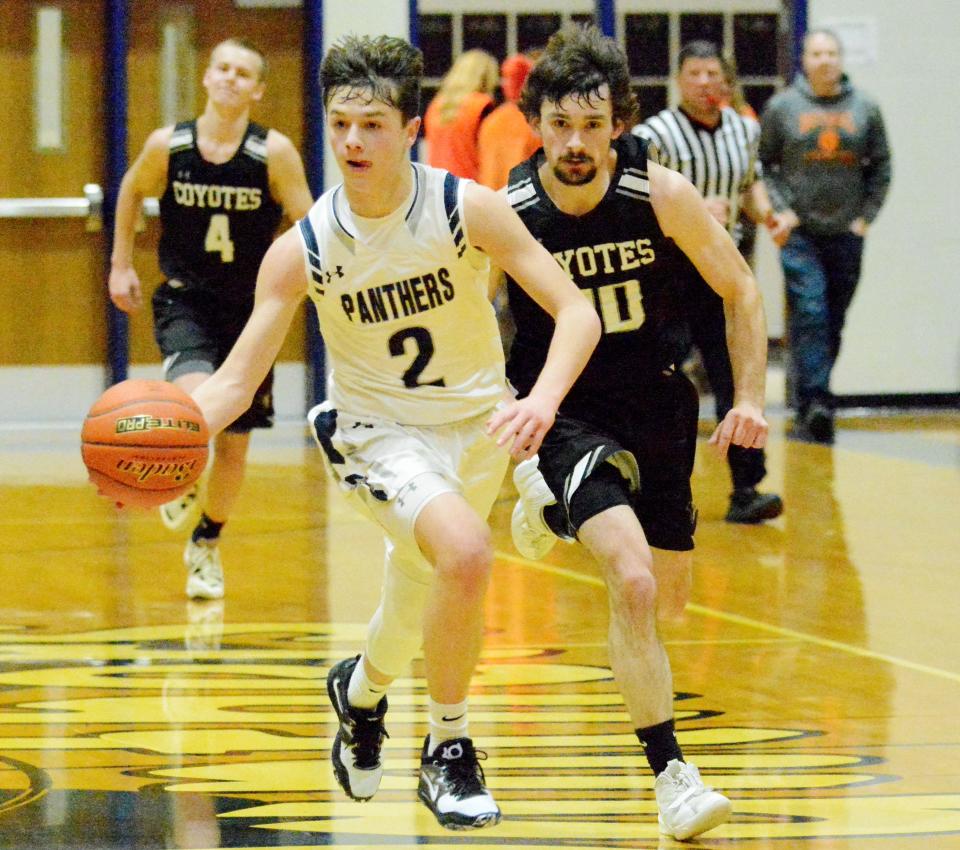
224	183
614	471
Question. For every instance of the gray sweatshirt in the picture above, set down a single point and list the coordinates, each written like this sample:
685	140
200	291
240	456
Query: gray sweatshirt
825	157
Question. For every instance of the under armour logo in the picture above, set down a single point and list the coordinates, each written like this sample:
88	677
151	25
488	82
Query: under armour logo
407	488
324	276
338	271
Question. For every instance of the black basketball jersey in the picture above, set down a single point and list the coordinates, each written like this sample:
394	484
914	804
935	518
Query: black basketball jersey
620	257
217	221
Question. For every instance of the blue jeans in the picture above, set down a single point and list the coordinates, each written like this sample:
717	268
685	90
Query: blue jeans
821	274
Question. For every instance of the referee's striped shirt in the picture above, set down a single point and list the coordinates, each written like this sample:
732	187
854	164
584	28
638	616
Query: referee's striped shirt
719	161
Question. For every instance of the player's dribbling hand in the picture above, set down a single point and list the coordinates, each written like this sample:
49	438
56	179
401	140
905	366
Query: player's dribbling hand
744	426
523	424
125	289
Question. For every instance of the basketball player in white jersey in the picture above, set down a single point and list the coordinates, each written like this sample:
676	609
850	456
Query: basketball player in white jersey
418	426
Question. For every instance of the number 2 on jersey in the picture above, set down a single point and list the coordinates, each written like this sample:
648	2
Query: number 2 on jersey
218	238
424	345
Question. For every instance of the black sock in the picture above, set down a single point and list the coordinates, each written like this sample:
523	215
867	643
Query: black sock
660	745
206	529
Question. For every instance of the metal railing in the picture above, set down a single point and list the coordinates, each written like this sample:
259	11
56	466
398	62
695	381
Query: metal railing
90	207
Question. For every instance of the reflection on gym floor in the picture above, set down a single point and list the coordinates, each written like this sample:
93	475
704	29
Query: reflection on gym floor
817	671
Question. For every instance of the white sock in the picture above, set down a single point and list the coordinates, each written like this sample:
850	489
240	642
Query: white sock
447	721
362	692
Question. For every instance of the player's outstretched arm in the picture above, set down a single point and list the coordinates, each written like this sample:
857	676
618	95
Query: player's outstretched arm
146	176
281	286
288	180
683	216
495	228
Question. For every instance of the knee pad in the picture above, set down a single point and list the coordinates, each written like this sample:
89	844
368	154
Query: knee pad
395	635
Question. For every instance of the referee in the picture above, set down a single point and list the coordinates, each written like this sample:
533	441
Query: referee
716	149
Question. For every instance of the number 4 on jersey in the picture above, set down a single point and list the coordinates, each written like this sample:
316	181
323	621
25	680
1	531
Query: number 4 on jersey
218	238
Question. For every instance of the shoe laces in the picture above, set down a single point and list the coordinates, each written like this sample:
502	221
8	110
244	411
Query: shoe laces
688	783
462	771
366	732
206	561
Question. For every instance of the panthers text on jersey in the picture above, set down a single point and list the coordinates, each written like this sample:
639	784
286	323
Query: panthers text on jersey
402	304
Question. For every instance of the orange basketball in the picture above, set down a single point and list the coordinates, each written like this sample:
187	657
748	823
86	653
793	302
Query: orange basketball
144	443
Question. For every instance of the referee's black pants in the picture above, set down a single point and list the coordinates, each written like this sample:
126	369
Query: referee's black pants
708	332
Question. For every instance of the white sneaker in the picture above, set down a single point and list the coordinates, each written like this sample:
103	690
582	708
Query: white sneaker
531	534
177	512
687	806
452	786
204	570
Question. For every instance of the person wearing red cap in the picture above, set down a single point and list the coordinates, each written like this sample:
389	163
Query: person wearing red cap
506	138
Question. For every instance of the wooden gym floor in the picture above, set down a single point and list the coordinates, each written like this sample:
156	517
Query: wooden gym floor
817	670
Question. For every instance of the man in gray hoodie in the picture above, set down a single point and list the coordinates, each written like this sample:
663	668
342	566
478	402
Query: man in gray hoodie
827	168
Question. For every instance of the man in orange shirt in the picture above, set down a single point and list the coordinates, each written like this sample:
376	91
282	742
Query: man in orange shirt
506	138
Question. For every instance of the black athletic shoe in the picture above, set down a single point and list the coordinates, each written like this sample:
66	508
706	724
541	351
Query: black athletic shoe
356	748
819	421
814	425
451	784
749	506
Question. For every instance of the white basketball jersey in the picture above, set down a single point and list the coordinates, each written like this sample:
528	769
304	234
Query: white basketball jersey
402	302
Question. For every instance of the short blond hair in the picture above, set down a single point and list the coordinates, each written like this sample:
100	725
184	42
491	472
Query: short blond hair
243	44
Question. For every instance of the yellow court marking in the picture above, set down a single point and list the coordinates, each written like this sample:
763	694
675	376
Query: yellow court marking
749	622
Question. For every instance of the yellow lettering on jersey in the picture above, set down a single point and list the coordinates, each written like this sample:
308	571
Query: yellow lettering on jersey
218	239
586	262
646	252
604	251
620	306
628	255
214	196
608	257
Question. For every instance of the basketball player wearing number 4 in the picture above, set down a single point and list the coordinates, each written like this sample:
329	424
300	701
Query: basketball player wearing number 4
418	426
225	182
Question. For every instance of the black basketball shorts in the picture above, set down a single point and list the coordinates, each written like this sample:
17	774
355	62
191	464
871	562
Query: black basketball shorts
642	458
195	334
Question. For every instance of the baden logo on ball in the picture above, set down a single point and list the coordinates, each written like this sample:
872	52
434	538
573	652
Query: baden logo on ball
144	443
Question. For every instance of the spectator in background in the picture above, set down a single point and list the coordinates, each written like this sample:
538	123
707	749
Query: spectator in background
452	121
506	138
731	92
825	156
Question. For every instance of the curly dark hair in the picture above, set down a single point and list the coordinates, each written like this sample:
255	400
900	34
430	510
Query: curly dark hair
578	61
381	68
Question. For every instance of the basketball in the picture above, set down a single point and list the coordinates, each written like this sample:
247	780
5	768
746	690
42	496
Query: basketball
144	443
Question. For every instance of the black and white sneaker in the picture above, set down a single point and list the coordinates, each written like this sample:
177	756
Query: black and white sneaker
356	748
451	784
